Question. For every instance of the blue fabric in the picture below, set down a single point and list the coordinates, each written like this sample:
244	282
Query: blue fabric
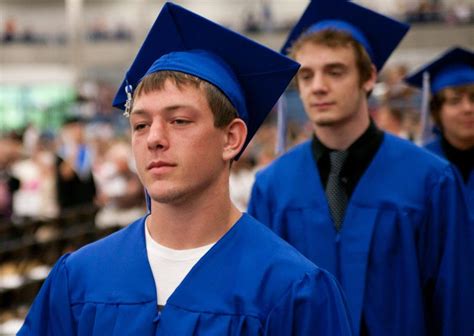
454	67
241	68
454	75
379	34
404	253
343	26
249	283
211	69
435	147
83	165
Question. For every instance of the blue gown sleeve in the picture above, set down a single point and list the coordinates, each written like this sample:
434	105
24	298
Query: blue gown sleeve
258	206
50	313
446	260
314	305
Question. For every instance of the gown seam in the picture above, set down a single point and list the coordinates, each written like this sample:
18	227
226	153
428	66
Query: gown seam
110	303
255	316
287	291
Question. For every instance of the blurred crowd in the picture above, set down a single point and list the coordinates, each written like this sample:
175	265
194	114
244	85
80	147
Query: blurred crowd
460	12
83	165
87	161
260	19
17	31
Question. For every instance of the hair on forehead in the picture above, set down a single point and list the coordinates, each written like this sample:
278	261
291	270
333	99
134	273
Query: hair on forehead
223	110
156	81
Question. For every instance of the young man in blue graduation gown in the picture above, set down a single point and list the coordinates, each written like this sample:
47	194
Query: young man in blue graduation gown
195	265
399	244
451	83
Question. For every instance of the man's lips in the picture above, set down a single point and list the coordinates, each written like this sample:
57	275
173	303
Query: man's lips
322	105
160	166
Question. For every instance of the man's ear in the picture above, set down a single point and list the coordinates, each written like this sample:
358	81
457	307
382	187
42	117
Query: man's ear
369	84
236	133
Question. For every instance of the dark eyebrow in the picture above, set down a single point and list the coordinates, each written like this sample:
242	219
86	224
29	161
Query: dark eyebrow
335	65
304	70
168	109
138	112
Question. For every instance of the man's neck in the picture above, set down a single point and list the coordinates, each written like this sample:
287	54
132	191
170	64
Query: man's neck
342	136
193	223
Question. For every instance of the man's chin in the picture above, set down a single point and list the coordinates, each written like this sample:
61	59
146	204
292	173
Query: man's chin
166	198
324	122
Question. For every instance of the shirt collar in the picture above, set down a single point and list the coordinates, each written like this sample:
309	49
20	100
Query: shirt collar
359	145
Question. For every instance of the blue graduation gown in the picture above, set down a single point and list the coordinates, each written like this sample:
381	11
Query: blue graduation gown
403	256
249	283
435	147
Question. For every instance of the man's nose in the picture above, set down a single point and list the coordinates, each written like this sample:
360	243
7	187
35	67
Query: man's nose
158	136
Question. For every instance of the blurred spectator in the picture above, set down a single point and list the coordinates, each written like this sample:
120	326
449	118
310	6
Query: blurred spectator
74	180
426	12
121	194
122	32
395	87
392	103
99	30
251	24
298	131
30	138
9	30
391	119
241	180
267	16
462	12
45	157
30	36
36	197
10	148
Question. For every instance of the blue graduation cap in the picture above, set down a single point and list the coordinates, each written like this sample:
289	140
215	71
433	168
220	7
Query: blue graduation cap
378	34
250	75
453	68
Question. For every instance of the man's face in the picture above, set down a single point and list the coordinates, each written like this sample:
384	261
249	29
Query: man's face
329	84
457	117
178	150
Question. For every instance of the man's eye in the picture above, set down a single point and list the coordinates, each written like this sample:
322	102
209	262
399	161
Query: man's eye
139	127
453	101
305	76
336	73
180	121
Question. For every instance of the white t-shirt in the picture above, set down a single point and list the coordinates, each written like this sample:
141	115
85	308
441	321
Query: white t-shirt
169	266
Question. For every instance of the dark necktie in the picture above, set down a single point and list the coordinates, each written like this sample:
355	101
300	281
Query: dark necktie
335	193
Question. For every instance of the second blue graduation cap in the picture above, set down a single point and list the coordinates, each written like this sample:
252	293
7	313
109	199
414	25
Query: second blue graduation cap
251	76
377	33
454	67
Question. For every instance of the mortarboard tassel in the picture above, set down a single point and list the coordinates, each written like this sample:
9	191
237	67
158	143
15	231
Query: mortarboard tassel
426	125
129	102
148	202
281	107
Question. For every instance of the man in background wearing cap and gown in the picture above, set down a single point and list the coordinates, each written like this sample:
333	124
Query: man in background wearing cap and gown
383	215
450	80
194	265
